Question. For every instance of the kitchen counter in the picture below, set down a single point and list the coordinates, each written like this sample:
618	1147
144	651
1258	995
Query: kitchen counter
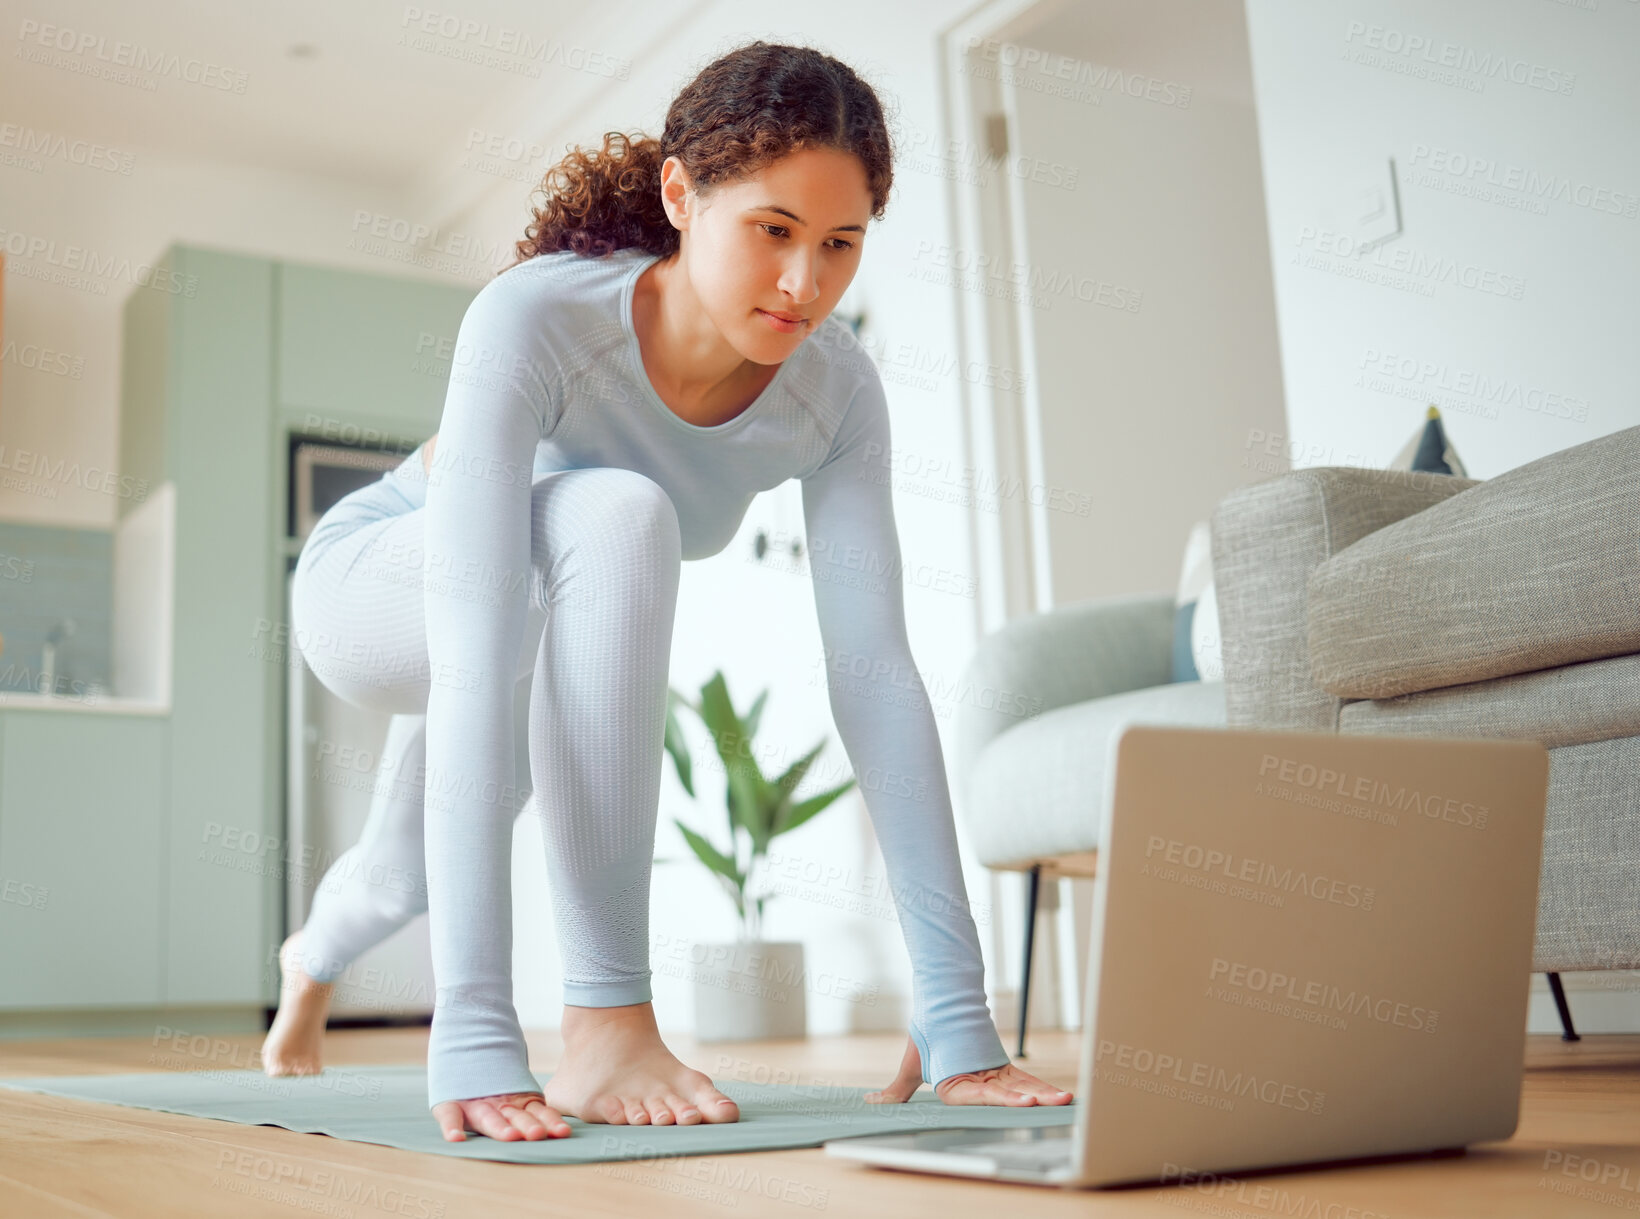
99	703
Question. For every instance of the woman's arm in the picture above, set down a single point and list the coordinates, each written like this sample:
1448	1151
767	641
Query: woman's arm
427	453
883	716
476	600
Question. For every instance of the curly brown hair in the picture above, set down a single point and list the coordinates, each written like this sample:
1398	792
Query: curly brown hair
743	111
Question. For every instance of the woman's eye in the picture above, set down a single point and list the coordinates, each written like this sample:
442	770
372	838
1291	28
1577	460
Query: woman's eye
781	227
842	244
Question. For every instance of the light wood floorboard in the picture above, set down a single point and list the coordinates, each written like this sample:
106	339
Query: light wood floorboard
69	1158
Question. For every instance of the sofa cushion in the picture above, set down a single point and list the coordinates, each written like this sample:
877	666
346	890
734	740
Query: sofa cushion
1034	792
1569	705
1536	568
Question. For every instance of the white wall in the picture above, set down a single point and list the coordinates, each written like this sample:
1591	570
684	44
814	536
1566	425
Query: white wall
1151	375
1508	298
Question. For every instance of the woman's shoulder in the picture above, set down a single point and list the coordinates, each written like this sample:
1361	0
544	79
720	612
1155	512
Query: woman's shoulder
835	370
560	308
566	278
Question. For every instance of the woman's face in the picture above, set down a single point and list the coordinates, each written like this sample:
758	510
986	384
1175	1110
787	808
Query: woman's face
783	243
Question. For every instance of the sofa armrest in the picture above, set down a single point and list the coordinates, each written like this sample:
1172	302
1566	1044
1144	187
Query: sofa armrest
1061	656
1536	568
1267	538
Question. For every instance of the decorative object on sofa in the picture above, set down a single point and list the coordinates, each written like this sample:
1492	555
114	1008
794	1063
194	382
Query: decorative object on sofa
1430	451
750	989
1196	654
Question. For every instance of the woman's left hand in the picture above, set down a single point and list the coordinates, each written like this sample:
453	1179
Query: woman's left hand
994	1086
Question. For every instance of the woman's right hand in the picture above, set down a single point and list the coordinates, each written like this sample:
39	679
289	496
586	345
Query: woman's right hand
506	1118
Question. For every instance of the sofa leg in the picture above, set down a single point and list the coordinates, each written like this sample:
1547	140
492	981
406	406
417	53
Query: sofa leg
1030	942
1570	1034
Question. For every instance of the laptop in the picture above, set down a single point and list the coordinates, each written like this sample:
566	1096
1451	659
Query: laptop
1305	948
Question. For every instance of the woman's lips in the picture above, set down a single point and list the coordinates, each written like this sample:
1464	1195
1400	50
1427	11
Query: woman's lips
783	325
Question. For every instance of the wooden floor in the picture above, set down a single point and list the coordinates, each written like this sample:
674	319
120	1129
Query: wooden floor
1577	1152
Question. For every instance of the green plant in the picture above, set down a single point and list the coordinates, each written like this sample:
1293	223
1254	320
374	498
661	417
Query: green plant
760	809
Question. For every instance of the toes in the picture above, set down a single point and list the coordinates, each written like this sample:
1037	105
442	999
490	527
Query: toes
636	1114
686	1114
716	1107
611	1110
659	1113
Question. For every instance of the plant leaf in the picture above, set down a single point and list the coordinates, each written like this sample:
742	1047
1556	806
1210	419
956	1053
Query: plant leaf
787	783
675	743
755	715
797	814
711	856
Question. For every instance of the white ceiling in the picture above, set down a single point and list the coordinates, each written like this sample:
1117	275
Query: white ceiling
364	107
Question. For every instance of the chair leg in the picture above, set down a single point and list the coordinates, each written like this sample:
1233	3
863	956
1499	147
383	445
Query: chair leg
1570	1033
1030	941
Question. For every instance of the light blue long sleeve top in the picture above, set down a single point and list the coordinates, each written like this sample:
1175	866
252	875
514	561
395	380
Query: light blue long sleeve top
547	375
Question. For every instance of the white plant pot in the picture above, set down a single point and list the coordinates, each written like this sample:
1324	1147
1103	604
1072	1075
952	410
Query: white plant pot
750	990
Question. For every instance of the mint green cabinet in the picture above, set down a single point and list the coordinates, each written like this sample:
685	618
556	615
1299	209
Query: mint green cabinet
82	859
142	857
216	378
365	350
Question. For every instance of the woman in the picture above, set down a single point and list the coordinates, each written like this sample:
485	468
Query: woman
660	352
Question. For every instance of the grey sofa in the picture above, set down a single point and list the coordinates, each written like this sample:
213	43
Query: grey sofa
1354	600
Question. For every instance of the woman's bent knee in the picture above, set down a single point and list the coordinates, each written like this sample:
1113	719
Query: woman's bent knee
618	523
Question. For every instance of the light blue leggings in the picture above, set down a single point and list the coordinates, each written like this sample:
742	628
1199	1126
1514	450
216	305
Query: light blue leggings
599	538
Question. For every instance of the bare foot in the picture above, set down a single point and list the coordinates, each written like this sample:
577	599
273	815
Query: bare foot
617	1070
293	1043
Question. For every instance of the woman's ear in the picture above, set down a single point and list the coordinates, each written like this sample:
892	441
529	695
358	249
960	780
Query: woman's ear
677	197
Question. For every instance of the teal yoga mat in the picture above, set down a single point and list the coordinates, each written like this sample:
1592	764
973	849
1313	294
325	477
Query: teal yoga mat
388	1105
